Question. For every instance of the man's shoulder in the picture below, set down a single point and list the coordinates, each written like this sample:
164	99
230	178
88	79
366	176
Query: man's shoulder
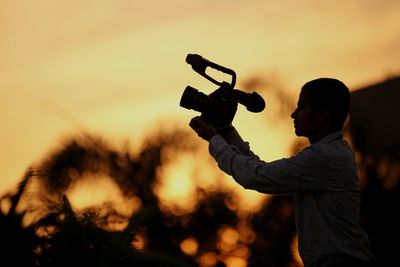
335	153
313	155
324	150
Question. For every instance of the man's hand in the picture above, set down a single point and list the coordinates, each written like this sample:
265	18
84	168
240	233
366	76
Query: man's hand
202	128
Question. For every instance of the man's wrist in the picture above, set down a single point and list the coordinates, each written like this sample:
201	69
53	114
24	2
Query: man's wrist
215	136
215	144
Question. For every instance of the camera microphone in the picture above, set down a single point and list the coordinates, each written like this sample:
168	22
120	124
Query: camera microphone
252	101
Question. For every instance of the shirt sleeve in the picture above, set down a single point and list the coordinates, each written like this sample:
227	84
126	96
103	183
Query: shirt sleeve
236	140
300	173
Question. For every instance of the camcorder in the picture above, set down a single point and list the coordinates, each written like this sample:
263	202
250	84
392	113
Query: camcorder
219	107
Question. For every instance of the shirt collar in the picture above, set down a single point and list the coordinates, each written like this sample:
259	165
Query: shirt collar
330	137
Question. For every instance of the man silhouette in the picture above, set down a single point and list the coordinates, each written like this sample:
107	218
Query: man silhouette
322	178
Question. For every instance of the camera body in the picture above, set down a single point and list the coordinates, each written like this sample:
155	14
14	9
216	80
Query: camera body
218	108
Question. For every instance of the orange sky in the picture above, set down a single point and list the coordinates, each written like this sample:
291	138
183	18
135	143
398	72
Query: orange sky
116	67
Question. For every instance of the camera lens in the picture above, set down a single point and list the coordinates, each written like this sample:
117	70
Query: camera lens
193	99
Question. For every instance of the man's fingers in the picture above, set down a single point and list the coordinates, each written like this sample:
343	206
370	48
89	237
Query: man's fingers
198	125
203	129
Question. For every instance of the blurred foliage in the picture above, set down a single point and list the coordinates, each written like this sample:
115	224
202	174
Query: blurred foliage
380	203
214	234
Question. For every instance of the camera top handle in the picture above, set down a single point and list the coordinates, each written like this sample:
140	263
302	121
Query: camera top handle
200	64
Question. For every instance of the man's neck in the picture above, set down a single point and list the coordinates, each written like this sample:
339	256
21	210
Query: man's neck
321	134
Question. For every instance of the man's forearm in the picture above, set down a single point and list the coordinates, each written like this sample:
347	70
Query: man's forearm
233	138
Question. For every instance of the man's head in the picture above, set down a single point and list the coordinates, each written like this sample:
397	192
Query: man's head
322	108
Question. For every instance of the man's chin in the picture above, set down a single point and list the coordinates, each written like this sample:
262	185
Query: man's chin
298	132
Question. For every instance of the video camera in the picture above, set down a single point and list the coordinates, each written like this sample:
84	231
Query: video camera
218	108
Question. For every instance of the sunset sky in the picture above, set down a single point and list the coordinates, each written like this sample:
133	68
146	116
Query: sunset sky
117	67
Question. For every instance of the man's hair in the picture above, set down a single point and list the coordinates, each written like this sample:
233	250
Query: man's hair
330	94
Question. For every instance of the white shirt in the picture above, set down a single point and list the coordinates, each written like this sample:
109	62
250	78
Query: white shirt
324	183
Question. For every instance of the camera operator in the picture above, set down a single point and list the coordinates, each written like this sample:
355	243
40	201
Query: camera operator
322	178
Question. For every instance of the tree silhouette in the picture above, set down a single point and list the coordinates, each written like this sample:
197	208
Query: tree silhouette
58	235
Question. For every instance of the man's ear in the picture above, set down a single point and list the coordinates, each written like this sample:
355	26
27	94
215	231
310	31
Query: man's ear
323	115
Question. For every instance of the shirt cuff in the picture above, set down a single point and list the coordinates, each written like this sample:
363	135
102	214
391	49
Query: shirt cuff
216	145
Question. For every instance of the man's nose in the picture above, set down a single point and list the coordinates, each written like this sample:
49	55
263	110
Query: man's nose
293	115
